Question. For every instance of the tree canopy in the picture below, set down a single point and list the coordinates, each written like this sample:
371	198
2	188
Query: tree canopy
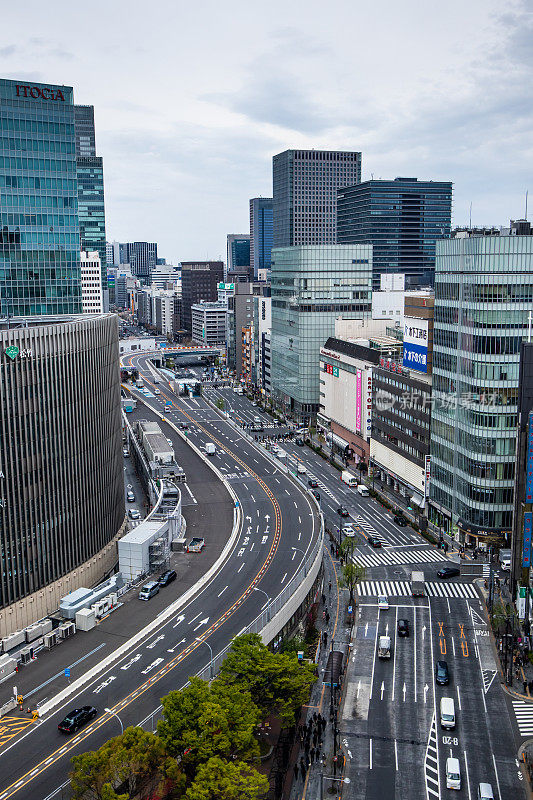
278	682
227	780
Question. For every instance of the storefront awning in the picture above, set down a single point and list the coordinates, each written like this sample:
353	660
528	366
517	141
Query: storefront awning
418	500
338	440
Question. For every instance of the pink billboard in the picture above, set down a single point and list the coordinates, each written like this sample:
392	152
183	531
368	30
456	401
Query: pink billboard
358	400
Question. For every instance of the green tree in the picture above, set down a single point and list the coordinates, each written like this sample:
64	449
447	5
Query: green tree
278	683
202	721
225	780
221	404
135	761
351	574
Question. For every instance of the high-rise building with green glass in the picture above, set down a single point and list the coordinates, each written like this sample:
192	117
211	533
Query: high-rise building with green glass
39	228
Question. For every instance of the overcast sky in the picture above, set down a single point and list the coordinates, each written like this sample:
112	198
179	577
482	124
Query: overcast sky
192	99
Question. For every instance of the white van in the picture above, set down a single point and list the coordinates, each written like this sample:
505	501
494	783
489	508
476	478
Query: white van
301	468
453	773
362	490
484	792
384	647
447	713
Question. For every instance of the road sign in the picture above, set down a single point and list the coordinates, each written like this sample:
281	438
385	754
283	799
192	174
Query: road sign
67	672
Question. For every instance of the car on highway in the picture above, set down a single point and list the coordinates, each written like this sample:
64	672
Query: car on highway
484	792
125	452
312	482
383	603
300	442
134	513
442	673
343	512
401	521
348	530
76	718
448	572
130	497
169	441
167	577
373	541
316	495
403	627
184	426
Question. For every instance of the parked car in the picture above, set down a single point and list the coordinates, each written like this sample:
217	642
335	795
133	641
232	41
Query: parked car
401	521
167	577
133	513
383	603
130	497
312	482
448	572
373	541
342	511
76	718
403	627
442	673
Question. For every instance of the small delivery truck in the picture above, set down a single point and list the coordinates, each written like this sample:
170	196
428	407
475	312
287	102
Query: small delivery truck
384	647
362	490
504	557
196	545
417	584
348	478
210	449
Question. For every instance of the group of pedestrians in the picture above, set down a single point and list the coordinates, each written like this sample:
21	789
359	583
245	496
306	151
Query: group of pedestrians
311	736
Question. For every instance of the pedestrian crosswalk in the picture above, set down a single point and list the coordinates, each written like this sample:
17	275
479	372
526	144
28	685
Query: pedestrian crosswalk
370	530
524	717
486	570
403	589
391	557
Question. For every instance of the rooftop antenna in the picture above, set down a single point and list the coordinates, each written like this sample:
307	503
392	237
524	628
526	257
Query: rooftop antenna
526	206
470	224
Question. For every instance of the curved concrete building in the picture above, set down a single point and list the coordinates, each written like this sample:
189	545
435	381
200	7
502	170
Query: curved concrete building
61	467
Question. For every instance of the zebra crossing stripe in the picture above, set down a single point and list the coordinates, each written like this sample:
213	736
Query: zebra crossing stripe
488	677
402	589
431	763
390	558
524	717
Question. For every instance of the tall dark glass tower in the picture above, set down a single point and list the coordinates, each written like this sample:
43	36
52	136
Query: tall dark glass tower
90	173
39	229
305	184
142	258
402	219
261	232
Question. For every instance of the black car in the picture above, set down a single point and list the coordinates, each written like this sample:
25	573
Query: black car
76	718
448	572
373	541
312	483
442	675
183	425
316	495
167	577
401	521
403	627
342	512
300	442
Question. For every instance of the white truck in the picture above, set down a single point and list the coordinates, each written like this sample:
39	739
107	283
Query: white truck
504	557
417	584
362	490
210	449
196	545
348	478
384	647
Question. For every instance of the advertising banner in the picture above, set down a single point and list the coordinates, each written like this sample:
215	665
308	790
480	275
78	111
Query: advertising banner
358	400
526	541
415	344
529	461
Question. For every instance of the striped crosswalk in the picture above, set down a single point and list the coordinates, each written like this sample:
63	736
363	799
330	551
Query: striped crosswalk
403	589
524	717
391	557
370	530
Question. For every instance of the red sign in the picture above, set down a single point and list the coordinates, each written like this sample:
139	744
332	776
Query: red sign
37	93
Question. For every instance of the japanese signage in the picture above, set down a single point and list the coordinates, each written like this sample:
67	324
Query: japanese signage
358	400
331	370
526	542
529	461
368	403
415	344
427	470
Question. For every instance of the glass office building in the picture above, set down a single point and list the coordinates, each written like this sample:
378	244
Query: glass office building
402	219
311	286
261	232
39	229
483	297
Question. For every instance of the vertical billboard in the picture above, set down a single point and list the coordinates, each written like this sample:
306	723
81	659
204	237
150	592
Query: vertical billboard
526	540
529	460
358	400
415	344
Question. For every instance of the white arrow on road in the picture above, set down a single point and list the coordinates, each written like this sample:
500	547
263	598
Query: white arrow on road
247	517
267	517
423	631
179	619
382	688
426	687
404	691
175	646
202	622
151	646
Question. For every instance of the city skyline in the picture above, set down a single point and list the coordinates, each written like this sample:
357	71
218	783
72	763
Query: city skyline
198	148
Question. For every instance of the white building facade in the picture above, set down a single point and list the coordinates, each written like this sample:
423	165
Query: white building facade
92	301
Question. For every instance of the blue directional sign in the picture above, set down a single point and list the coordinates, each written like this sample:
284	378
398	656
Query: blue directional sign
67	672
526	542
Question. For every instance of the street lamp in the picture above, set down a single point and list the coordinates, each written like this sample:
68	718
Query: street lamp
257	589
211	665
114	714
303	557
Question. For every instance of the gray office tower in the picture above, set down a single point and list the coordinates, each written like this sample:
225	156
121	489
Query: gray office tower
91	207
261	232
142	258
402	219
305	194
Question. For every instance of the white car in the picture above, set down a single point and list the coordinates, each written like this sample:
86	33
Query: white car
157	391
383	603
348	531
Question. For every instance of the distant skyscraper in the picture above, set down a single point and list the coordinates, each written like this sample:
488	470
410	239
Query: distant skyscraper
238	251
39	228
261	232
305	194
199	281
142	258
402	219
90	172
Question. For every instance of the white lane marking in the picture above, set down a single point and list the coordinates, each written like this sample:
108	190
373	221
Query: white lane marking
195	618
284	577
497	778
370	754
467	778
222	592
293	554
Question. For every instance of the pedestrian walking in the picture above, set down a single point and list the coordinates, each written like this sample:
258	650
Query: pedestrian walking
296	772
525	686
312	754
329	586
323	598
303	768
315	739
327	617
325	636
530	687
